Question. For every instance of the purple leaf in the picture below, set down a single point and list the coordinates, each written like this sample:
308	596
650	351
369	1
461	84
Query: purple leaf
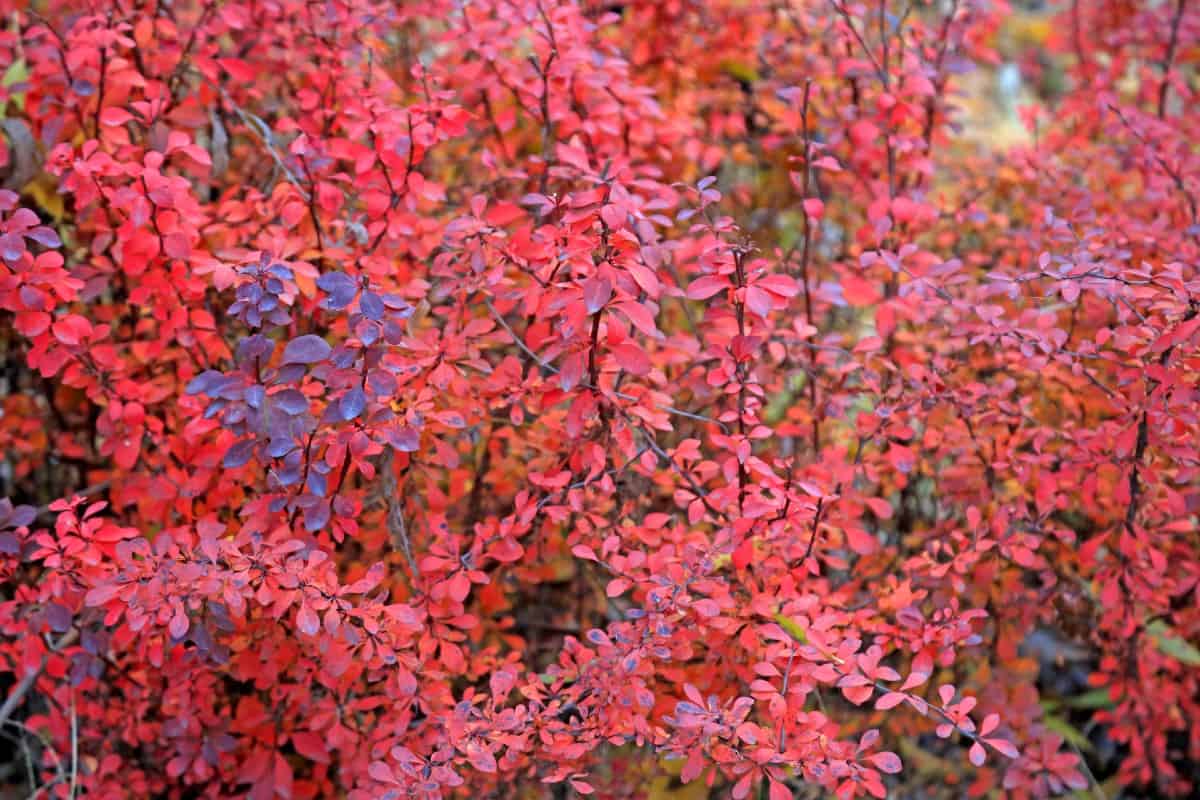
371	305
406	439
397	303
369	333
33	298
316	517
291	402
353	403
58	617
307	349
278	448
382	382
254	396
22	516
44	236
12	246
239	454
340	289
343	506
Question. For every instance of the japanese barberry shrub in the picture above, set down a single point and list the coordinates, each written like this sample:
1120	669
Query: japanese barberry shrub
542	398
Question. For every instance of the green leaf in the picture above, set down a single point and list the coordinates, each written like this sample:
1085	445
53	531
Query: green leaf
1097	698
17	72
1068	731
1174	646
790	625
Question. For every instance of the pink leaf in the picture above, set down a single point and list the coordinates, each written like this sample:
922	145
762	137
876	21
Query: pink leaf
886	762
596	293
1003	747
890	700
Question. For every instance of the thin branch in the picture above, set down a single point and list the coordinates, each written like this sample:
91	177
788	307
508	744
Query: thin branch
263	131
95	488
74	749
26	684
517	339
397	527
552	370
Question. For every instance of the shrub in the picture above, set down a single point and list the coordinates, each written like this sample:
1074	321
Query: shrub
522	397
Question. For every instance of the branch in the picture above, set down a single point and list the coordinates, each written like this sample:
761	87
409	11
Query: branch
263	131
396	525
552	370
26	684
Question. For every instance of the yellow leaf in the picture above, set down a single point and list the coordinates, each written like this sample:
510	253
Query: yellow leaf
43	190
669	788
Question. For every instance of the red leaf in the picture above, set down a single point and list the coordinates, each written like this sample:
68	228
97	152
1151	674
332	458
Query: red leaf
779	791
632	358
776	284
922	668
113	116
706	286
311	745
641	318
31	323
859	292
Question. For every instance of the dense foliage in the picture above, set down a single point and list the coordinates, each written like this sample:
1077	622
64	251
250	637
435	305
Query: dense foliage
542	397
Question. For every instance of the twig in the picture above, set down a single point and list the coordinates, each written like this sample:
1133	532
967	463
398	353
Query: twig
700	492
1099	790
21	689
74	749
95	488
1165	86
395	515
1171	172
263	131
552	370
787	674
517	339
30	733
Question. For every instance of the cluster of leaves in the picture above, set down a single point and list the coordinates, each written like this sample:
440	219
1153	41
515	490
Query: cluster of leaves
502	395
